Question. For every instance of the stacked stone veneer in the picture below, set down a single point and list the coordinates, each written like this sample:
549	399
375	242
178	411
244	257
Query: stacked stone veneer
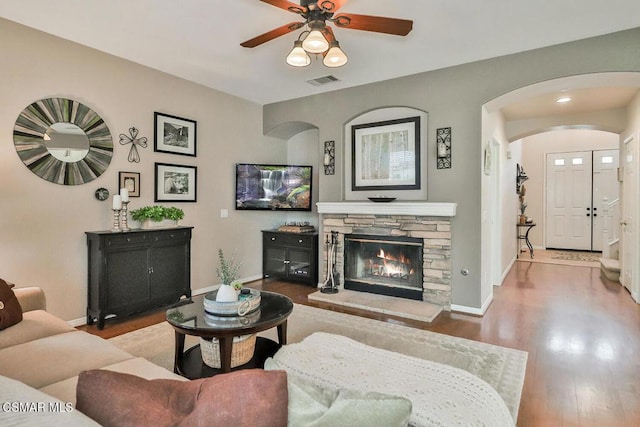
435	232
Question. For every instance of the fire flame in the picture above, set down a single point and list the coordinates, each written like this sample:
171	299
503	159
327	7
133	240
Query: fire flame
398	267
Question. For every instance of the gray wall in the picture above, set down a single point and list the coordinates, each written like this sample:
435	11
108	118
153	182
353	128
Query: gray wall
42	224
453	97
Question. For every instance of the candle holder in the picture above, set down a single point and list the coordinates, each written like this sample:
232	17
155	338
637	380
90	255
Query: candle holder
116	221
124	226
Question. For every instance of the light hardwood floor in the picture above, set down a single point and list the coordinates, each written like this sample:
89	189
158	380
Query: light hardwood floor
582	333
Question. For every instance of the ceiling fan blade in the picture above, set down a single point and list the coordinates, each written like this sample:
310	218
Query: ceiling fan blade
331	5
270	35
378	24
328	34
287	5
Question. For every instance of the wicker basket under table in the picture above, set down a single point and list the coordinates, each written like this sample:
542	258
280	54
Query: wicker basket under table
241	351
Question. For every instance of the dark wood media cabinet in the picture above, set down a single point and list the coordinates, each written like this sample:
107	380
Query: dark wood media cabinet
136	271
290	256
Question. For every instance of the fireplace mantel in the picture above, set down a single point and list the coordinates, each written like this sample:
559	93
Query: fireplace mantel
392	208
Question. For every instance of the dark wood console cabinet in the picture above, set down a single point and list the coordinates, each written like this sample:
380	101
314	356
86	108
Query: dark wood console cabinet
136	271
290	256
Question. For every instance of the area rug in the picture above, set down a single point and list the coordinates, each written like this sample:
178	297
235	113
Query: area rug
502	368
558	257
577	256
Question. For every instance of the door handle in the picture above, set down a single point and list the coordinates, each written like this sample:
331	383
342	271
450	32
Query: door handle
588	214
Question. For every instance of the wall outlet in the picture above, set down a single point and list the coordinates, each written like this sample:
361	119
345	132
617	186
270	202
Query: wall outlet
224	213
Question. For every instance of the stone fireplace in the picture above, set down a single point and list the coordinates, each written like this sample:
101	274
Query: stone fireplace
409	227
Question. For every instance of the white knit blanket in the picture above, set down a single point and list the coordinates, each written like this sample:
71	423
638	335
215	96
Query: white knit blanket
441	395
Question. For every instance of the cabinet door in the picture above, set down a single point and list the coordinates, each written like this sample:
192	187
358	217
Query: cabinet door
168	272
127	278
275	260
300	265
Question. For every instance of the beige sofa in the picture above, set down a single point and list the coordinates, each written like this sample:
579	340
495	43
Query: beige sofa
45	353
42	356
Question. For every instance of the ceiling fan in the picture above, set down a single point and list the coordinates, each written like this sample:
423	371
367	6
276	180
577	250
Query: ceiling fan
319	39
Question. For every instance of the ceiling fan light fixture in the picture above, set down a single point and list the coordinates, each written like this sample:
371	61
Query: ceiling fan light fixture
335	57
298	57
315	42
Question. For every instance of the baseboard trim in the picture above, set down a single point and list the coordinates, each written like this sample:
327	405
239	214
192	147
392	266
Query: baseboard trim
473	310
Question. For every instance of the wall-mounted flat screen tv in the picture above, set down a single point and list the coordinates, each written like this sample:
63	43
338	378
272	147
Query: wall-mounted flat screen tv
273	187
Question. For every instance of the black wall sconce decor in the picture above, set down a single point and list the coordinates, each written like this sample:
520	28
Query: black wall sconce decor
329	158
443	148
521	177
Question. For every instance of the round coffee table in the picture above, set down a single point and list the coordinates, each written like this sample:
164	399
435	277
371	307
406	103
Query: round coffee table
191	319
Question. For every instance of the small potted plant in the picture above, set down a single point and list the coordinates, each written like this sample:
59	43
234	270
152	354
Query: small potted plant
227	272
523	208
157	216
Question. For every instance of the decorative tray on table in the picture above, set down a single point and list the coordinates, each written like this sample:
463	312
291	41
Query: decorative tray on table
245	305
222	322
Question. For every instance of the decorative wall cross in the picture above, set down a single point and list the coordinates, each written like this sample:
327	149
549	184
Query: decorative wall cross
134	156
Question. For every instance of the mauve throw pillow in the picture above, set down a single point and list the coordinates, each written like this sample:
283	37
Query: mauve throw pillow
10	310
251	397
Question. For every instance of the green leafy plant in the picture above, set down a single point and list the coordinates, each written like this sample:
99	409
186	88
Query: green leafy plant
227	271
523	207
157	213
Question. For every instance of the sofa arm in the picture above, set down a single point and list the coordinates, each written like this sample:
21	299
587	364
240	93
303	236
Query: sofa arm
31	298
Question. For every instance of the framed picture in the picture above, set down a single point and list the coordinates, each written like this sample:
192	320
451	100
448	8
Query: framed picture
386	155
174	135
130	181
175	183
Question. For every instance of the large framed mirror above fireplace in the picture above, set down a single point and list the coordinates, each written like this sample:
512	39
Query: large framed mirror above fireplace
384	265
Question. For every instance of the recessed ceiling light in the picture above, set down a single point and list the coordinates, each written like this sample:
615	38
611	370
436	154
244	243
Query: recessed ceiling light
563	99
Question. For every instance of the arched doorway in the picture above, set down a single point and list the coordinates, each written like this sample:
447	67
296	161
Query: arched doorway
499	239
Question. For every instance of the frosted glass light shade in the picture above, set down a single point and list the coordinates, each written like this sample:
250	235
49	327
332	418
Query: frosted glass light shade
335	57
315	42
298	57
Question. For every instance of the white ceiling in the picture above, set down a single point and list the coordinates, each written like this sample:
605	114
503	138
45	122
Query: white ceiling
582	101
199	40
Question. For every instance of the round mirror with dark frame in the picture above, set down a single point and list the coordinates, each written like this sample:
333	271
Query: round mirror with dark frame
63	141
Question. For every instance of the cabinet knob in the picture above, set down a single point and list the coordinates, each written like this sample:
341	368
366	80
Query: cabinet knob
299	240
128	239
273	238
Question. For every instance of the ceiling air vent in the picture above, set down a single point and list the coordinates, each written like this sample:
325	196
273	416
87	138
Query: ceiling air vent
323	80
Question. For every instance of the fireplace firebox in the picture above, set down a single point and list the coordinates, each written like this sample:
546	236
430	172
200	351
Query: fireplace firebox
385	265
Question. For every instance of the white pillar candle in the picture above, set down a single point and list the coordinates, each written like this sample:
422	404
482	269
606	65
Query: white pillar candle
124	194
117	202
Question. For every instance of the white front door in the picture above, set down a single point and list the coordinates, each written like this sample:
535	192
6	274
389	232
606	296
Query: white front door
568	219
605	185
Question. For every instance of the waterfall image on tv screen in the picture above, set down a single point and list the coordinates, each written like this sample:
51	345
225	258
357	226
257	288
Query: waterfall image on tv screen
273	187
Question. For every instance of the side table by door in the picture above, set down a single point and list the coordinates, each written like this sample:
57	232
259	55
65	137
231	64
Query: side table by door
523	234
136	271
